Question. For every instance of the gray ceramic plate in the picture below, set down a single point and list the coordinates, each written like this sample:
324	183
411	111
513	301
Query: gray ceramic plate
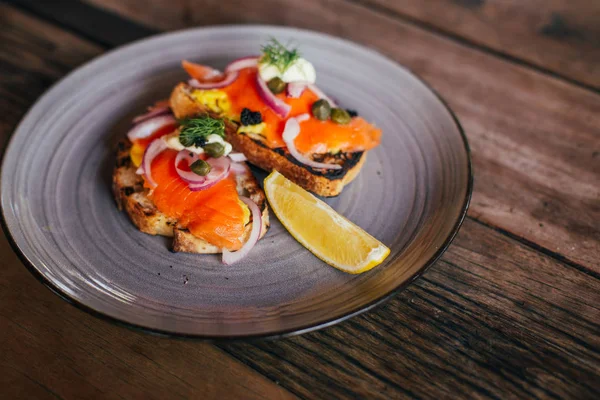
412	194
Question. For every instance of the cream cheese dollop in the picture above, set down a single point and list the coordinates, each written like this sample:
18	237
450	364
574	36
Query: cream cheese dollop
300	70
172	142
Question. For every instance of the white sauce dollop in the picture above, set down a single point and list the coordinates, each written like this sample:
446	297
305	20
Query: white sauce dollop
299	71
172	142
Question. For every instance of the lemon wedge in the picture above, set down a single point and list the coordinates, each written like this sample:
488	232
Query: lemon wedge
320	229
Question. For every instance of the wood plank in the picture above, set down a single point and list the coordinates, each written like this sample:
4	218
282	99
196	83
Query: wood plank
32	57
494	319
163	15
85	21
49	349
52	349
562	36
535	139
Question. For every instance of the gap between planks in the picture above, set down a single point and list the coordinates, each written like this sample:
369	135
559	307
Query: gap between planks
390	12
131	30
538	248
77	21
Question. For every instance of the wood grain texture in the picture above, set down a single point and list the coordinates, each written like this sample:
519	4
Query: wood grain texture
535	139
562	36
49	349
494	319
32	57
559	36
79	18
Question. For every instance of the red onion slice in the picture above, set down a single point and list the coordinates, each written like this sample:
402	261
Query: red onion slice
219	169
241	63
188	176
203	186
212	74
290	132
237	157
230	257
321	95
295	89
276	104
201	72
239	168
149	126
152	112
155	148
229	78
186	155
230	75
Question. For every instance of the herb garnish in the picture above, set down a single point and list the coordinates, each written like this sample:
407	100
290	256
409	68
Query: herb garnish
195	131
276	54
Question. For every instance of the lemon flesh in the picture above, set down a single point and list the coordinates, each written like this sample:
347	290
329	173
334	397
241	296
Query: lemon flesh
320	229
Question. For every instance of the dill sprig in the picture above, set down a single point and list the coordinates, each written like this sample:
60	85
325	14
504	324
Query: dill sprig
194	131
277	54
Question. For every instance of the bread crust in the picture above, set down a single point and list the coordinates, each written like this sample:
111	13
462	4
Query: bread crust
132	197
326	183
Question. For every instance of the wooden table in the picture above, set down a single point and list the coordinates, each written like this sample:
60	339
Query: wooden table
512	310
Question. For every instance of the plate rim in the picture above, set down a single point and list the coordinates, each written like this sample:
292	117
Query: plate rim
274	334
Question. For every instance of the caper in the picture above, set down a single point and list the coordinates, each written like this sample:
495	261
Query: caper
214	150
321	109
340	116
200	167
276	85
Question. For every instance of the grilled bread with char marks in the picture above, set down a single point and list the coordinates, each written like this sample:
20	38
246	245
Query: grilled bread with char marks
322	182
131	196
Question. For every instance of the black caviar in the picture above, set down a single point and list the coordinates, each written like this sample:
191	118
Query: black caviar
352	113
250	117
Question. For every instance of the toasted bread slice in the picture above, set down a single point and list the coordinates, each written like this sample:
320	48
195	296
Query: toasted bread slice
322	182
131	196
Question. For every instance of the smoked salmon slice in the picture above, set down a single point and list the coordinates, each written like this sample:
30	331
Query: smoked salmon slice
315	136
213	214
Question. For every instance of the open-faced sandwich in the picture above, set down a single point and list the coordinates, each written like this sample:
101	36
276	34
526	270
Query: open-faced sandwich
176	174
179	178
279	119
